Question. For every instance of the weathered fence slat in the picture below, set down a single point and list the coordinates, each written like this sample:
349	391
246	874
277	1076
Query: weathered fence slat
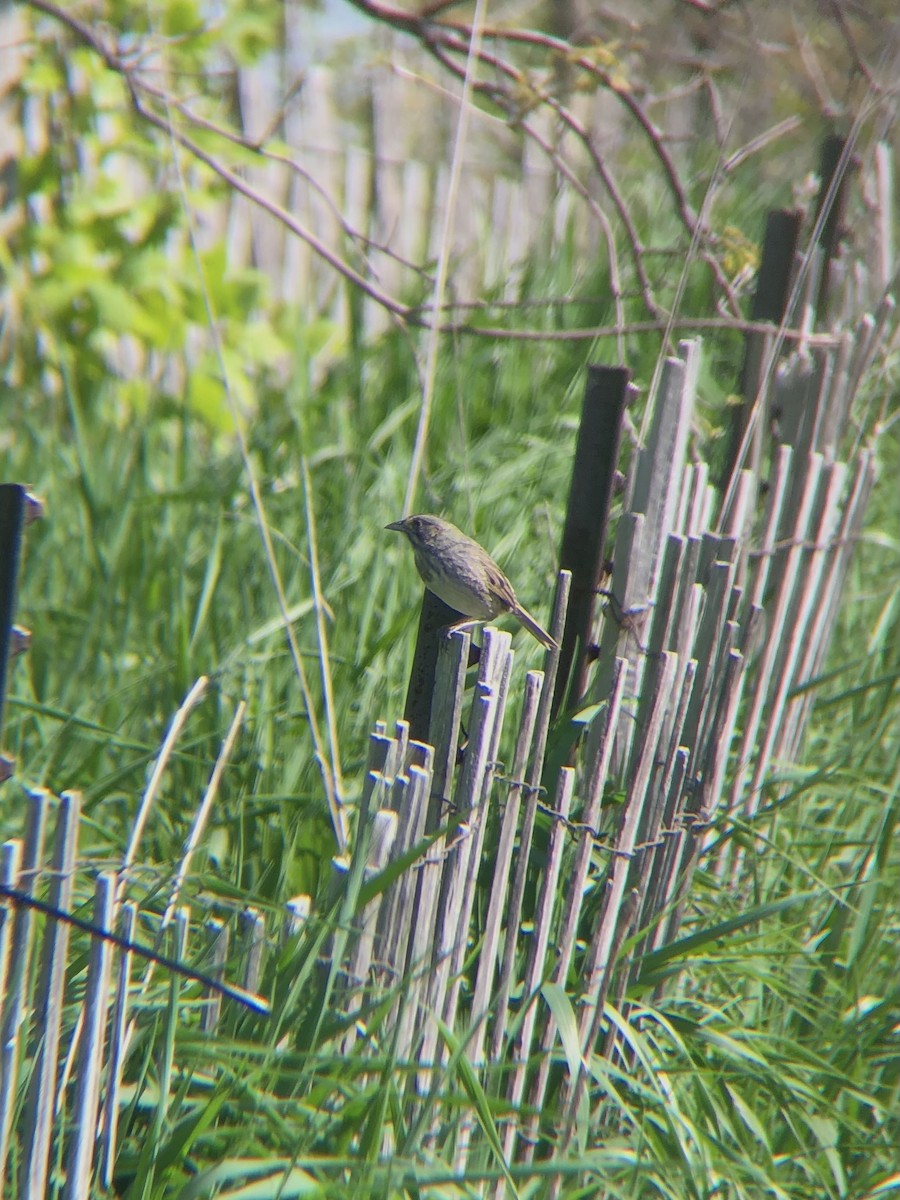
497	911
117	1047
520	1050
93	1038
14	997
41	1102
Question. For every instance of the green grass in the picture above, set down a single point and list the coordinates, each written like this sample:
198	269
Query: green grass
767	1067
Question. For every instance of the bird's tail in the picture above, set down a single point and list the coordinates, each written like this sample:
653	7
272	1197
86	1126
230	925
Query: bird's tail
525	618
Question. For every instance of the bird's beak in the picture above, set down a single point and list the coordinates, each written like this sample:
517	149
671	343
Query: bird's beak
400	526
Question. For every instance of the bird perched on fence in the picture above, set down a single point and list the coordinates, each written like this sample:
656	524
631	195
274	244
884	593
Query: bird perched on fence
464	575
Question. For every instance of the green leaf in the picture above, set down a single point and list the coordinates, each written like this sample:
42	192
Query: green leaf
268	1179
461	1066
181	17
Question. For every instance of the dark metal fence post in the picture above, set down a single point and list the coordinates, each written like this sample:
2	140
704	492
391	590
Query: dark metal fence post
13	502
777	271
434	617
587	515
834	175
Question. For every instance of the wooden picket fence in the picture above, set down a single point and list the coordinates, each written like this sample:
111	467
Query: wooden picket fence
714	610
717	606
372	174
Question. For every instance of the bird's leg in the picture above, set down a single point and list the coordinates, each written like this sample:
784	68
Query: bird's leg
465	623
